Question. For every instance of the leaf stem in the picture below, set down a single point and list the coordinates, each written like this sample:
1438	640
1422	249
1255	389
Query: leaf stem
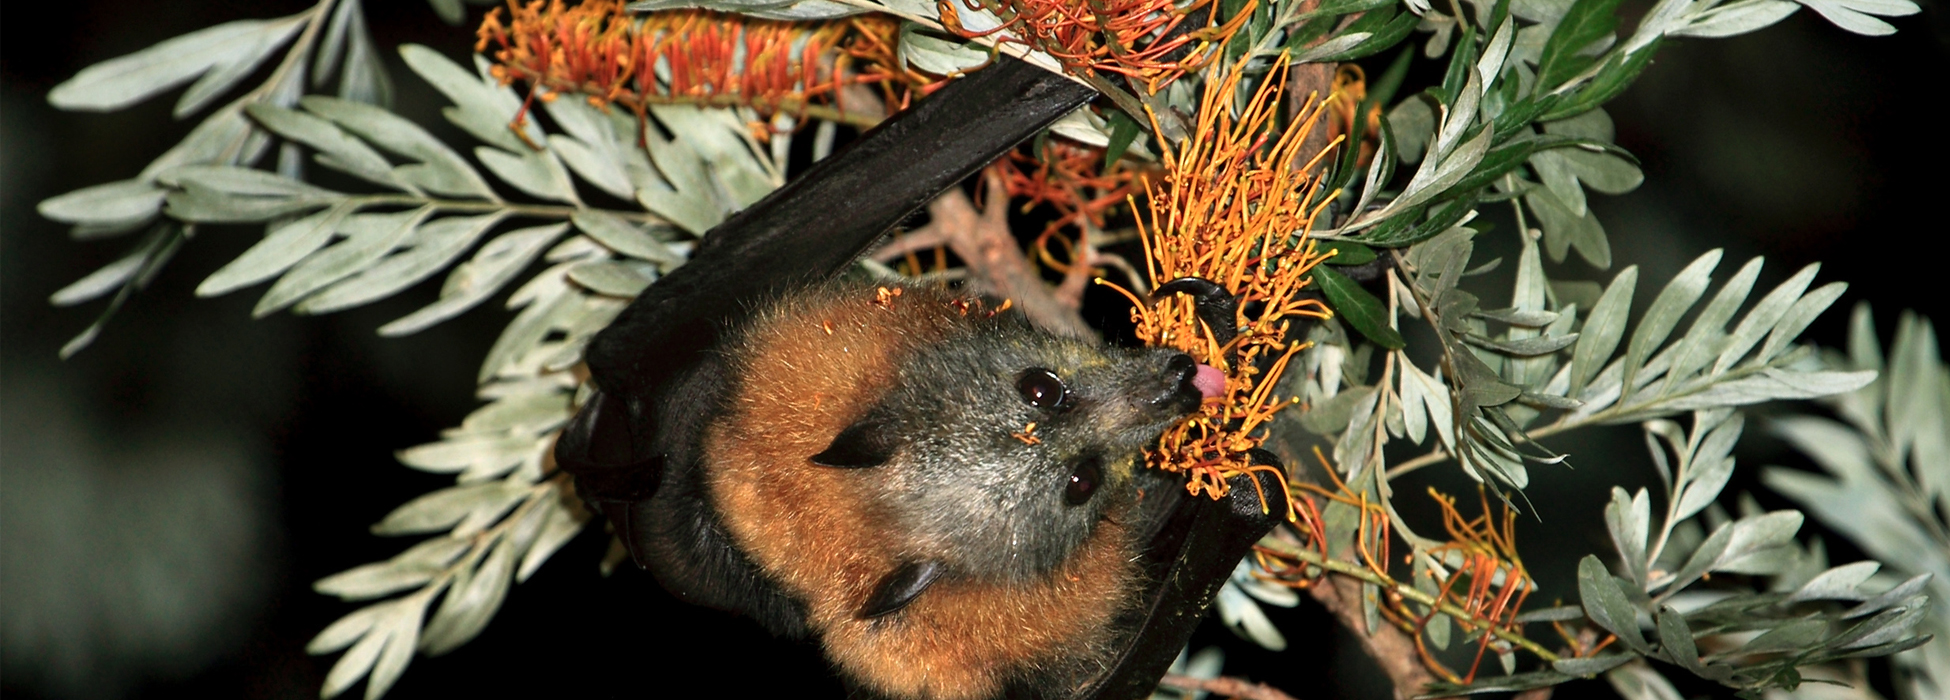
1363	573
540	211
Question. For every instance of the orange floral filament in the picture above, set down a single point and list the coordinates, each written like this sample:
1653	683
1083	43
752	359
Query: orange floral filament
1122	37
1232	210
600	49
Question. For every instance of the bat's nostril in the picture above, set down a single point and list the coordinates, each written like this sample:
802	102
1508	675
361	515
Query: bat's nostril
1180	367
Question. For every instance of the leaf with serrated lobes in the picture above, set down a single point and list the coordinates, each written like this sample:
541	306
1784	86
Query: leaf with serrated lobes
120	82
1606	604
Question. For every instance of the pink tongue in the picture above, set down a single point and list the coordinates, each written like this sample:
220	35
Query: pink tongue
1210	381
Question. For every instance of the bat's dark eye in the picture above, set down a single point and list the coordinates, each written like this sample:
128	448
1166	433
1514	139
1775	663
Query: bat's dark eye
1084	480
1042	388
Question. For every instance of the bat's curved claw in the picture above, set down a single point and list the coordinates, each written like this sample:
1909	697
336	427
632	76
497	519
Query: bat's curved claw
1214	304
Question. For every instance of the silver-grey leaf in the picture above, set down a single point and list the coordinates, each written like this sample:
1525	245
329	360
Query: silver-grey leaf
467	608
440	169
435	246
336	149
325	61
605	173
1797	318
470	283
120	82
1603	329
1413	123
1695	349
358	660
1665	312
111	202
346	630
459	453
482	107
612	278
444	508
936	55
411	568
1565	229
226	73
537	173
624	238
1526	347
281	248
402	638
1839	583
109	278
1736	18
1762	318
1767	385
562	524
368	238
245	182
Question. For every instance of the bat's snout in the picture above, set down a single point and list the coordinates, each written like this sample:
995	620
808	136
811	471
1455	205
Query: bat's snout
1187	383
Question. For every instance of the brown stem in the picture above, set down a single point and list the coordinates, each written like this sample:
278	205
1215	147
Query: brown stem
915	241
1070	291
985	244
1306	81
1392	650
1225	686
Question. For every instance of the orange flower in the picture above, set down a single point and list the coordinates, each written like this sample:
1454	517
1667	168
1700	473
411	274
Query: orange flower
600	49
1232	209
1350	88
1106	36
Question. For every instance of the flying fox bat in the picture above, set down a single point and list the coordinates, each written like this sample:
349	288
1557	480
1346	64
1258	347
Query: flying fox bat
951	502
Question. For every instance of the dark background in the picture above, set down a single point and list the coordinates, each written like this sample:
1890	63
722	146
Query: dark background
169	494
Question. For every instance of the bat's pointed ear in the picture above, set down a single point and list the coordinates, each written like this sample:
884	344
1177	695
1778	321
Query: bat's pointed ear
870	442
901	587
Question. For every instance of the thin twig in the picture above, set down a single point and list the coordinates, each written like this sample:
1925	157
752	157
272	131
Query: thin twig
1390	648
984	243
1225	686
1362	572
915	241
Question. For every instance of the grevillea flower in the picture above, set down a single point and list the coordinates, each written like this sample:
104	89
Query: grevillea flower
600	49
1350	88
1071	179
1232	209
1476	579
1139	39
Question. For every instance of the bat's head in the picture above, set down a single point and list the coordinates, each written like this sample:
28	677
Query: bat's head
1001	448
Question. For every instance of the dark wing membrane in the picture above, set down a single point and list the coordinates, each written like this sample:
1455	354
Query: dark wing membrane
1187	562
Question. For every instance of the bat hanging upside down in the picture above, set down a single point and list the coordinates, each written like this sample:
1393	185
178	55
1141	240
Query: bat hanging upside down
951	501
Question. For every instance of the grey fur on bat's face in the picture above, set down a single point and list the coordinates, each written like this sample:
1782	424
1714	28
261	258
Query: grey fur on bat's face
1004	447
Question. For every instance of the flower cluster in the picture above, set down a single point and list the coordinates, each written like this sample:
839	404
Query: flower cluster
1143	40
600	49
1474	580
1232	209
1073	180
